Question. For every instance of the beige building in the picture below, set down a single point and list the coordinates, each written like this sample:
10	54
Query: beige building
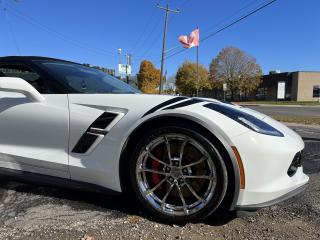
290	86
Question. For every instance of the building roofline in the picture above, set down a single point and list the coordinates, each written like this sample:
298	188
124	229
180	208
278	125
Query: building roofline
307	71
291	72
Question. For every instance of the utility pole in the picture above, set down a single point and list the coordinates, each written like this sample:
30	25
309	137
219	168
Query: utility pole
198	68
128	57
165	82
167	10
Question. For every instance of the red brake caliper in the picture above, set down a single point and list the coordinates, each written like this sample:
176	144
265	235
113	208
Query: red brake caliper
156	166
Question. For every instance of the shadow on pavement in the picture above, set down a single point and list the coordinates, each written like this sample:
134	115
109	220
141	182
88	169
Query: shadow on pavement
119	205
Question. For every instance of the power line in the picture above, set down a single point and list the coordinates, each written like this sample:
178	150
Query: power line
148	21
219	22
167	10
227	26
157	38
152	32
63	37
15	42
156	25
239	20
231	15
153	39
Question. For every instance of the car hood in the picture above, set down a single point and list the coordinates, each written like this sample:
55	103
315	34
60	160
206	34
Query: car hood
144	102
132	102
139	105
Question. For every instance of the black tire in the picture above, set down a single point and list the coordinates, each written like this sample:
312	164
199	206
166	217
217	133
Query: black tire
220	169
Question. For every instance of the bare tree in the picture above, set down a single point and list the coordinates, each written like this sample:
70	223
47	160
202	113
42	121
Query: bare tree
239	70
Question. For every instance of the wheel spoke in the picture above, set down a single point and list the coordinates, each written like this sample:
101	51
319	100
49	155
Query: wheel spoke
182	150
200	177
168	147
194	192
196	163
185	208
152	171
157	159
155	187
163	202
158	173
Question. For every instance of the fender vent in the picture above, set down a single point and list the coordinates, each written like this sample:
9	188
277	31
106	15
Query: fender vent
96	129
85	143
103	121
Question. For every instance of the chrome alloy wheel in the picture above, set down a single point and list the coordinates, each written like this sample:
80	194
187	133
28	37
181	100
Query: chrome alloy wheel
176	175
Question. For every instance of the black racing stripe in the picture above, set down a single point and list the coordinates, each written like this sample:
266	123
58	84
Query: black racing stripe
166	103
184	104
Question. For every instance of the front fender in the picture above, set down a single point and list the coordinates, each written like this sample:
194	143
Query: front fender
202	120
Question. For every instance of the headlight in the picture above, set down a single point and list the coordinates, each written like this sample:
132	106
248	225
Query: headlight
245	119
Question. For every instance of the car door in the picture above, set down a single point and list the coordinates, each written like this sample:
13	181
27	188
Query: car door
33	135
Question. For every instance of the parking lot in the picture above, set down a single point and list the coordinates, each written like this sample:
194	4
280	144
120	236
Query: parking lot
34	212
295	110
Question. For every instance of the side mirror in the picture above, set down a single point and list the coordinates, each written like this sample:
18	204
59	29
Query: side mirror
18	85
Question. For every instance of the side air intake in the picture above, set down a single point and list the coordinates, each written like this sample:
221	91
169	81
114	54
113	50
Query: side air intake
96	129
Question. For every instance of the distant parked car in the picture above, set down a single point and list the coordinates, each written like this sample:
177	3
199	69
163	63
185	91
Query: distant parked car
184	158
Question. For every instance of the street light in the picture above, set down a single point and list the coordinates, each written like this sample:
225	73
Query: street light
119	53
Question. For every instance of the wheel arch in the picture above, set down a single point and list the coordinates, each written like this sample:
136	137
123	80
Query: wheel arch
214	137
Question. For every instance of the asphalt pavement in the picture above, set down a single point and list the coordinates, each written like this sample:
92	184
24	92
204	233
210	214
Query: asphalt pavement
279	110
306	132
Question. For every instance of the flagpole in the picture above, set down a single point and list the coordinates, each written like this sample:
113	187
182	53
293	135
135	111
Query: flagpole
189	42
198	68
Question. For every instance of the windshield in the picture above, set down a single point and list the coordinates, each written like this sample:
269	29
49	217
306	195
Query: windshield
81	79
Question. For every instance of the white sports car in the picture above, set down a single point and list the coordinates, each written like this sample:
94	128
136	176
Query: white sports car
63	123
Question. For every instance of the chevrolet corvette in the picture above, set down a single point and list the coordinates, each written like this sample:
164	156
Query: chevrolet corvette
66	124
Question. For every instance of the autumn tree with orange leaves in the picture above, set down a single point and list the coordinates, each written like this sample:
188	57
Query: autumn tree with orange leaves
148	77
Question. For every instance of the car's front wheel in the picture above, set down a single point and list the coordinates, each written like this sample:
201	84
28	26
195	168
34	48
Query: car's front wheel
178	174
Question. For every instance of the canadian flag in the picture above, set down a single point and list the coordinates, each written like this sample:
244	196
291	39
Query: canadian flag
190	41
